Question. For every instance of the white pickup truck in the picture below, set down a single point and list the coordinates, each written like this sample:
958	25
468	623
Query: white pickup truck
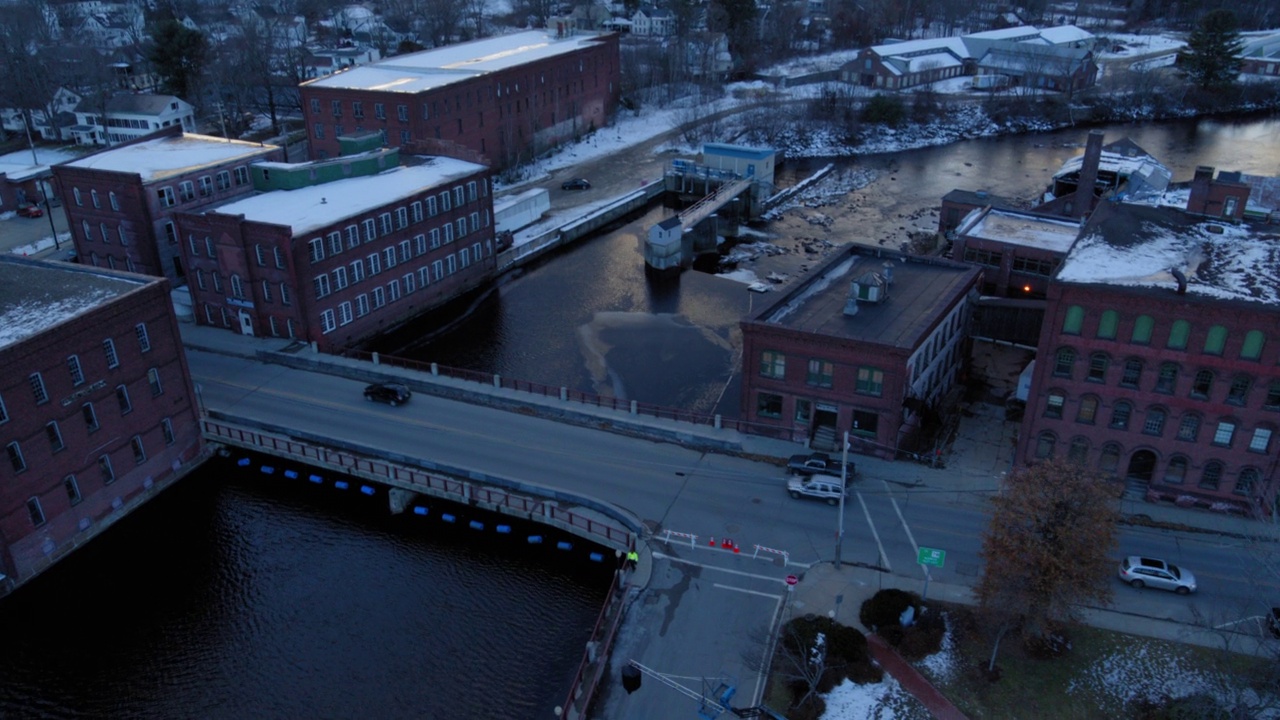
818	487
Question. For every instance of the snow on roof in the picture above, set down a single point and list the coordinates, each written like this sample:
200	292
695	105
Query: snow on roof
428	69
36	295
317	206
920	63
167	156
1020	32
19	165
1026	230
954	45
1063	34
1140	246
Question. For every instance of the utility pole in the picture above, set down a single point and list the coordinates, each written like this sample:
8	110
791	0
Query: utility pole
44	197
844	489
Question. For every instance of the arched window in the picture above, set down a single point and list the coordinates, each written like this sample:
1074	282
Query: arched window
1246	481
1132	373
1189	427
1202	384
1088	410
1063	361
1178	335
1176	472
1107	324
1044	445
1120	414
237	287
1109	460
1142	328
1215	340
1252	348
1073	320
1167	380
1078	451
1239	390
1153	424
1211	475
1098	363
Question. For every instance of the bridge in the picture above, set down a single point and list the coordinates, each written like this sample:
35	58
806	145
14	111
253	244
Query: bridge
673	243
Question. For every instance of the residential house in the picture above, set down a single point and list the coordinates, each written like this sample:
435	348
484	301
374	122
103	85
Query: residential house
1260	55
650	21
132	116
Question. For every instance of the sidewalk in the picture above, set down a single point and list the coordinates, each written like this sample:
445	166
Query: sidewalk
911	680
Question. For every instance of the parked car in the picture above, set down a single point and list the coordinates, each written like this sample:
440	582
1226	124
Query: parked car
390	393
30	210
817	487
575	184
1143	572
817	463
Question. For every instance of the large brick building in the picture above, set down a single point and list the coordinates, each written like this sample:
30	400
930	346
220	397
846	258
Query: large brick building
120	202
97	412
1157	360
870	344
501	99
336	251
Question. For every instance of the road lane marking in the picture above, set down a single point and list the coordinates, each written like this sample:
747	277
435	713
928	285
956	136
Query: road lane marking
745	590
883	557
672	558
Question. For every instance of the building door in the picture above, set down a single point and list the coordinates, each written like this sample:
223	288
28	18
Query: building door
1141	466
823	434
246	323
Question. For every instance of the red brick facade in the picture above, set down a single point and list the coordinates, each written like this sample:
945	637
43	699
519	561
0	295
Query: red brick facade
508	115
1177	392
349	280
97	414
123	218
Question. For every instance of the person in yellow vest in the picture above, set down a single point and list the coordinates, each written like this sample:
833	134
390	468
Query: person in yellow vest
633	557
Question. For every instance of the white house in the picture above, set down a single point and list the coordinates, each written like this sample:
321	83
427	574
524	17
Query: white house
132	116
649	20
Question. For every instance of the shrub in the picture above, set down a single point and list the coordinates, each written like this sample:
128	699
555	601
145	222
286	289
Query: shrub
884	110
924	638
813	708
884	610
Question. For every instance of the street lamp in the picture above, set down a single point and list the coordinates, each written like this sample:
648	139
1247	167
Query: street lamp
844	488
44	197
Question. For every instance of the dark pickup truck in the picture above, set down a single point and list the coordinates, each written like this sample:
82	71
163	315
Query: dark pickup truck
817	463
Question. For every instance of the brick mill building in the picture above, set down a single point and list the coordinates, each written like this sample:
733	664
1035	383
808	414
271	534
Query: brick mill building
97	411
871	344
500	100
1158	360
337	251
120	201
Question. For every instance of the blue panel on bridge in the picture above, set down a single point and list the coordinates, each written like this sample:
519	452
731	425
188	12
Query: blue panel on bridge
419	510
341	484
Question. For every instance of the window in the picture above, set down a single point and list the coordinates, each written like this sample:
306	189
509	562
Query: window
1154	423
384	221
1088	410
1073	320
769	405
90	417
1120	414
4	412
1239	390
459	196
237	287
471	191
1178	335
821	373
124	239
105	471
166	197
448	232
402	218
362	304
405	251
445	204
340	277
1044	445
1215	340
316	250
284	296
327	322
870	381
279	257
415	209
1272	401
1224	433
55	436
380	111
1189	428
139	452
224	180
357	108
1098	363
1252	348
357	271
773	364
1132	373
1078	451
353	236
1211	475
408	282
370	229
206	186
865	424
1053	406
35	512
344	313
1202	384
1261	440
72	488
1246	481
1109	459
1176	472
122	399
321	284
38	389
1107	324
186	190
208	246
402	112
1063	361
434	234
375	264
431	206
982	257
16	460
335	242
420	245
217	283
144	341
153	379
1167	380
73	367
393	291
75	192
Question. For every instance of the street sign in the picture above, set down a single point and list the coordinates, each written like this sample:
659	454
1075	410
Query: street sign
792	579
931	556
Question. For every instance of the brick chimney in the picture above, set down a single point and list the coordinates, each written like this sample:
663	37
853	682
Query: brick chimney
1198	200
1084	197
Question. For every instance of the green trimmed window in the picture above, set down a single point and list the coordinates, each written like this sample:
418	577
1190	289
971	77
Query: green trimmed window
1073	320
1178	335
1107	325
1215	340
1142	328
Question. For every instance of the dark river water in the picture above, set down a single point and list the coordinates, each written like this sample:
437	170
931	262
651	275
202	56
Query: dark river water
235	595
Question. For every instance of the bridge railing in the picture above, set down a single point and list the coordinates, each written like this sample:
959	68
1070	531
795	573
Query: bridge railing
394	474
608	402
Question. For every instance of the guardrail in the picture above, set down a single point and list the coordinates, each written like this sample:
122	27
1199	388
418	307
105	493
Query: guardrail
460	491
612	612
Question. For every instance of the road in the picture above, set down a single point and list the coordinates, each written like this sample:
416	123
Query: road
696	593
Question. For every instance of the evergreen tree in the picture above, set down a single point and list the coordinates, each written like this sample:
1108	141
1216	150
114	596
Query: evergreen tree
1212	57
178	55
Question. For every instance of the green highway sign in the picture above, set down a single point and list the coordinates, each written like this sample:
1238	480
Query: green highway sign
931	556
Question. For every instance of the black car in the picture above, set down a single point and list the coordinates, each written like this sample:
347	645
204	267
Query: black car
815	463
390	393
575	184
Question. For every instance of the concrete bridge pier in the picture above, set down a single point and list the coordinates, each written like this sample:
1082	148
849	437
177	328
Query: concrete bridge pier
399	499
